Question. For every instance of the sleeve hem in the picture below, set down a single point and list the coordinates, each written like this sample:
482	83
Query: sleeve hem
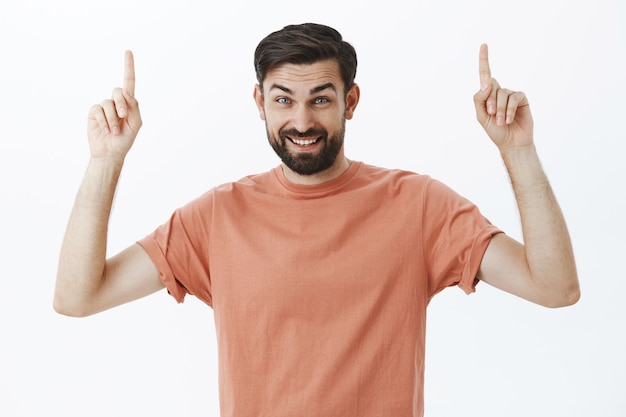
468	280
165	273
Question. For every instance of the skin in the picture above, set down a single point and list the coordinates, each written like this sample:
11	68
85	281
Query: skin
543	270
87	282
303	97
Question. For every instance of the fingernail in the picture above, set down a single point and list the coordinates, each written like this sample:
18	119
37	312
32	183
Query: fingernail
491	109
509	120
107	131
115	130
500	120
484	87
121	112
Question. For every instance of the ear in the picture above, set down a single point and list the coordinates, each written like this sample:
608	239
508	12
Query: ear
259	100
352	99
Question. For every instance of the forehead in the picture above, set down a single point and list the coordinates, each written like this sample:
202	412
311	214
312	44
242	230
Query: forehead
304	76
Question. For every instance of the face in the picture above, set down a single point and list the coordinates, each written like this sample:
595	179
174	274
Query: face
304	108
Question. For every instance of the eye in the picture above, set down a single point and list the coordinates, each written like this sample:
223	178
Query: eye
321	100
283	100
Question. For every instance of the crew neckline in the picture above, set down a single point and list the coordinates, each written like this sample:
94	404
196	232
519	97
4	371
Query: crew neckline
317	189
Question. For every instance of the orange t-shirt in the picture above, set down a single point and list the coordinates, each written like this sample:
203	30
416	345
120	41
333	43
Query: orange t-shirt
320	292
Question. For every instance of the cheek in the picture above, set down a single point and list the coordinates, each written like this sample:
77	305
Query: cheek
333	121
274	121
272	127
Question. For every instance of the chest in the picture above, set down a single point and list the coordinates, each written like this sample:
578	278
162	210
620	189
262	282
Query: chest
327	257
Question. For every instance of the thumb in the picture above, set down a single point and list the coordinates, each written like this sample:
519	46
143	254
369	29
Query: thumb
480	102
133	119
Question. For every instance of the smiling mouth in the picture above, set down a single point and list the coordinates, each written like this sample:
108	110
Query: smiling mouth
304	142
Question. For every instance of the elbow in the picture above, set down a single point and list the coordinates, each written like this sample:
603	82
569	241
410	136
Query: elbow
71	300
64	310
564	298
572	297
61	306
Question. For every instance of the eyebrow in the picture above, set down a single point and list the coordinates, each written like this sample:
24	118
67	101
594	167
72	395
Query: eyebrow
314	90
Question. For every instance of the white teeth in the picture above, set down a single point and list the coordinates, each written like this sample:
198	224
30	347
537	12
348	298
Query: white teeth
303	142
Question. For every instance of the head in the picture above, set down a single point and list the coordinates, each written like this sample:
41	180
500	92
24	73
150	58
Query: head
305	92
305	44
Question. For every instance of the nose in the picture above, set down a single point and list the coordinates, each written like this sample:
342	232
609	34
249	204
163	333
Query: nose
303	118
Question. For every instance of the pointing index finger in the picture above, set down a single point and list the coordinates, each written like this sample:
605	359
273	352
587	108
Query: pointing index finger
129	73
483	66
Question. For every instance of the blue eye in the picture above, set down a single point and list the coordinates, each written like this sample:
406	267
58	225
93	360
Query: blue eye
283	100
321	100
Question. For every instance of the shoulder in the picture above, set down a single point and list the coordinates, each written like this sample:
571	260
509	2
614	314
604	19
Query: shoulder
225	191
254	183
411	188
393	179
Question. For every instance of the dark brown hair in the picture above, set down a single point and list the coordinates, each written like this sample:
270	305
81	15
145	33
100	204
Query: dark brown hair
306	43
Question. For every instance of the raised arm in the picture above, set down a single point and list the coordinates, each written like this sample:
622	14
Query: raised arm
86	281
542	270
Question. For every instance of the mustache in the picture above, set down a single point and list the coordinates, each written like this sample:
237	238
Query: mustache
295	133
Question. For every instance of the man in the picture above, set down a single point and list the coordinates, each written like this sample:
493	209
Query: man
320	270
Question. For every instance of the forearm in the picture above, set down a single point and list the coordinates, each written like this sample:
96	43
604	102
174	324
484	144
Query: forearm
547	245
82	259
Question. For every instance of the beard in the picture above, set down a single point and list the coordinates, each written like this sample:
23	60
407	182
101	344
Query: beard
308	163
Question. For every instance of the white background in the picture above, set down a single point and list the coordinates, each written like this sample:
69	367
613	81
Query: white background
488	354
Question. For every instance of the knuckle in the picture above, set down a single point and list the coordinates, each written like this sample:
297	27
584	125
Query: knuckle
131	100
118	98
95	110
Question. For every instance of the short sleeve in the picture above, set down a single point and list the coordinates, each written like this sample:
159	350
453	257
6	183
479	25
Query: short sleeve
455	237
180	250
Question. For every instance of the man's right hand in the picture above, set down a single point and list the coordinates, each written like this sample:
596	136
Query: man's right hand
114	123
